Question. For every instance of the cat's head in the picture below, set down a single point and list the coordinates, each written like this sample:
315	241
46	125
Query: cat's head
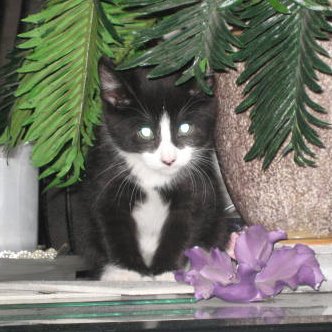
159	129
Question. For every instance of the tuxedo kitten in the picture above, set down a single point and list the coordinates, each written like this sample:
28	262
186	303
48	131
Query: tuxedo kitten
152	183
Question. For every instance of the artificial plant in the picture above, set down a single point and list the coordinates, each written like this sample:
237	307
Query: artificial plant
52	99
51	91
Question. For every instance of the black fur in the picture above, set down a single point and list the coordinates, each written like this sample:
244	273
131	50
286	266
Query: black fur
195	210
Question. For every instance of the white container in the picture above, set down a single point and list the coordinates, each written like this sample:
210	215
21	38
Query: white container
18	200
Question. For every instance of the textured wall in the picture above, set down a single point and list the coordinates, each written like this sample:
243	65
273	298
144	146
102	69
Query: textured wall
285	196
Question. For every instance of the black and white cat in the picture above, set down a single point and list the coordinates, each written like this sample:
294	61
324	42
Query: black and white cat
152	185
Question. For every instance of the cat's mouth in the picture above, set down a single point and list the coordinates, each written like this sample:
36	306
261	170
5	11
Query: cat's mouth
165	169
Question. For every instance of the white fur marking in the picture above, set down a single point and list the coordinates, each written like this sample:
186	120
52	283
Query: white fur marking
167	151
149	167
150	217
152	171
115	273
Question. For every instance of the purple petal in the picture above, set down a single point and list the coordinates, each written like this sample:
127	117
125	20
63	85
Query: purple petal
221	268
255	245
198	257
218	275
244	291
310	273
179	275
261	271
289	267
203	287
275	236
221	259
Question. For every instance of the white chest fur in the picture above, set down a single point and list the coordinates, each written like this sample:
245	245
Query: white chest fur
150	217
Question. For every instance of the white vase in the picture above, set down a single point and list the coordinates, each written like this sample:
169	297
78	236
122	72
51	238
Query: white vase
18	200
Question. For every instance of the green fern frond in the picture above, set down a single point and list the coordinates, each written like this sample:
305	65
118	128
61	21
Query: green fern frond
127	26
57	101
9	84
281	54
198	38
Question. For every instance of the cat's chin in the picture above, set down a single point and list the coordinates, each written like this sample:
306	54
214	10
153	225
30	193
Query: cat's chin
159	177
169	170
151	173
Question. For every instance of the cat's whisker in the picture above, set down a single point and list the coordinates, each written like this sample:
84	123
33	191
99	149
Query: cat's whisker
102	191
192	178
206	163
134	191
141	111
186	106
209	182
207	149
109	168
190	103
206	154
137	99
121	188
196	171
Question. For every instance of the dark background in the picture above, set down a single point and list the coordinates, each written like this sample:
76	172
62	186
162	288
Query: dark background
11	11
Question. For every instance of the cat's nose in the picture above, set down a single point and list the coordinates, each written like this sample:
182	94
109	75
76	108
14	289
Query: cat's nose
168	161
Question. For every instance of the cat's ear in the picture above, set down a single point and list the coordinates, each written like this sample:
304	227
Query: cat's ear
112	90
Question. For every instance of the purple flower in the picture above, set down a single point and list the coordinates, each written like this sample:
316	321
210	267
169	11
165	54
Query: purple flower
289	267
261	271
255	246
207	269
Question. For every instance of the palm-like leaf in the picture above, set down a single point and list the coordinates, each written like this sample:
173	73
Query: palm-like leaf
127	26
57	102
9	84
59	86
199	37
282	54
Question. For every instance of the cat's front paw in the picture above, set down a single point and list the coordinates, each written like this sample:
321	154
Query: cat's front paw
115	273
166	276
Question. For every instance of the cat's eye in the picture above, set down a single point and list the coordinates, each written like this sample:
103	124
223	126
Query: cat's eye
146	133
185	129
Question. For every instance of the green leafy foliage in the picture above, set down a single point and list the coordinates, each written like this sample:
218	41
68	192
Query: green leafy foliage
192	35
127	26
10	82
53	98
57	99
282	54
56	102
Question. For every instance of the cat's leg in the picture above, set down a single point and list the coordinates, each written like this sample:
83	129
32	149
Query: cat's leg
123	259
169	255
116	273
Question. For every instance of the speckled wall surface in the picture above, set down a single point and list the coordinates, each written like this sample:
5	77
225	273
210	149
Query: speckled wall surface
285	196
